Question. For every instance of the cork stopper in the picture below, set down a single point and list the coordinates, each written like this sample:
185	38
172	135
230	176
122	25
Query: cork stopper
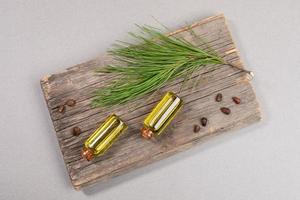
87	154
146	133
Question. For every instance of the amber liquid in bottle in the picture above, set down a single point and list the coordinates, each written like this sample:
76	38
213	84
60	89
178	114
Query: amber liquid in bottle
162	115
103	137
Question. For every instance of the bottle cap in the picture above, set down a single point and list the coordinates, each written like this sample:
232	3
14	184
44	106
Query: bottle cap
87	154
146	133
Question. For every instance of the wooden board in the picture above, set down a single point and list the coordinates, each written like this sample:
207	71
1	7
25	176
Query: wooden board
131	151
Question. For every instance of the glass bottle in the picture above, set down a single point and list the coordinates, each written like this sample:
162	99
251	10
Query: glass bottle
161	116
103	137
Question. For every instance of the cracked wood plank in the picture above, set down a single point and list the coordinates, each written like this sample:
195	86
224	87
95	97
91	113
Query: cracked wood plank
131	150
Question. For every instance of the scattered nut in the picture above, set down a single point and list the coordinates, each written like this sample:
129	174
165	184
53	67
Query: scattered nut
76	131
204	121
196	128
225	110
236	100
62	108
71	102
219	97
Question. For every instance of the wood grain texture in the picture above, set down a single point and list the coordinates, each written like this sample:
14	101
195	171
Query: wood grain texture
131	150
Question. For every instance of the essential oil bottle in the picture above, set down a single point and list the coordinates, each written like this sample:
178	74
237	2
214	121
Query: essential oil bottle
161	116
103	137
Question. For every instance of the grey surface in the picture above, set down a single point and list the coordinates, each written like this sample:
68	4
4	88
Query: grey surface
43	37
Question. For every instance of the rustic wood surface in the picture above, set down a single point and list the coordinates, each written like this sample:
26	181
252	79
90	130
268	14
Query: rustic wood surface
131	151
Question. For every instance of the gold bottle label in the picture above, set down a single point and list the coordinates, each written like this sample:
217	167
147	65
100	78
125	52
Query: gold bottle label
163	113
105	135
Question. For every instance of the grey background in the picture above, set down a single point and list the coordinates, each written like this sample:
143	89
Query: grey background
43	37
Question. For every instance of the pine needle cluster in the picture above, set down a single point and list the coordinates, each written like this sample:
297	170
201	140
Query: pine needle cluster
148	64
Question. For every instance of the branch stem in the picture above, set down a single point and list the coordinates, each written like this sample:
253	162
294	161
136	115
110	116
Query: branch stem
241	69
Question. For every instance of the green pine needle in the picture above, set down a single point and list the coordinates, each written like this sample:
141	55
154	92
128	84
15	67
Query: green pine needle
148	65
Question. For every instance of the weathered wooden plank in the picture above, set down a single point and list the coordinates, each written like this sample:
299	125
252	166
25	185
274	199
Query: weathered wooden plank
131	151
